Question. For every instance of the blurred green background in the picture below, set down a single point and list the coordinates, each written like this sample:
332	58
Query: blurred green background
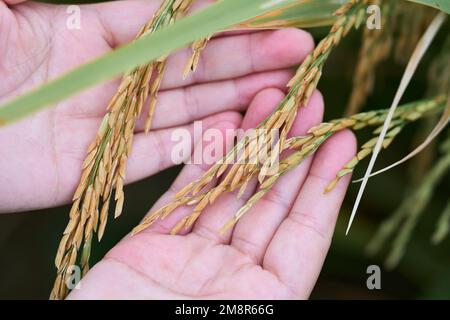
28	241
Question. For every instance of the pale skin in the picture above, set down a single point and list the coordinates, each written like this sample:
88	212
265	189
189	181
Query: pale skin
276	251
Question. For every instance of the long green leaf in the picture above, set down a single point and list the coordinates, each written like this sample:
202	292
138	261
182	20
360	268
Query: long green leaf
443	5
214	18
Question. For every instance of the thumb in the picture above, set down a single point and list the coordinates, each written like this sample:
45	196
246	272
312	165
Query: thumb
4	5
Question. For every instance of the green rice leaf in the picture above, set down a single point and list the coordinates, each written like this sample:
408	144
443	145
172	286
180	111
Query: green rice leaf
217	17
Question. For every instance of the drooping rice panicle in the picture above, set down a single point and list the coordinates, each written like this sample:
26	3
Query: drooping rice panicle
302	86
302	146
404	115
104	167
285	166
366	150
308	144
376	47
197	47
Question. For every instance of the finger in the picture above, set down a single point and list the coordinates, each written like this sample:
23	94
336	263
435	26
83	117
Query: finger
191	172
155	152
182	106
298	248
225	57
122	20
7	20
150	154
254	231
214	217
134	14
240	55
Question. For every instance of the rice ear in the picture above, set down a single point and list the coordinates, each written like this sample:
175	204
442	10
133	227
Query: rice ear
440	126
105	164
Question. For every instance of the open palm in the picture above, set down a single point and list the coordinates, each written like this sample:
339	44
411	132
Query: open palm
42	155
275	252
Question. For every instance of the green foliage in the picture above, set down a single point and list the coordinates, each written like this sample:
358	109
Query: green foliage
443	5
219	16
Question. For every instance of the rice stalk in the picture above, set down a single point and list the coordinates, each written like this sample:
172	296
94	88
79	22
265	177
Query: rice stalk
104	167
442	226
439	71
302	86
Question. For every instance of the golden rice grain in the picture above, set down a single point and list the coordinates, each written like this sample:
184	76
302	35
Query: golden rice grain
105	164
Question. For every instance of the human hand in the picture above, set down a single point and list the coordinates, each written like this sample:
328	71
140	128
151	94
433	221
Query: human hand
275	251
42	155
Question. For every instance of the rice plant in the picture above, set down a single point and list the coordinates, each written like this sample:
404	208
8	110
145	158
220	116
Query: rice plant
104	169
